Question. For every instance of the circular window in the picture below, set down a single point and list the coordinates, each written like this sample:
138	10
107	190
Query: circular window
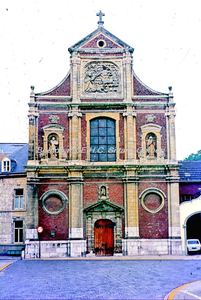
53	202
152	200
101	43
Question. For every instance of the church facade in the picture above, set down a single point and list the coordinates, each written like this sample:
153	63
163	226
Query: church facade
102	173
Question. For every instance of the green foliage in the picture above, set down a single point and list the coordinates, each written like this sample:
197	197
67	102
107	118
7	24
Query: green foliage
194	156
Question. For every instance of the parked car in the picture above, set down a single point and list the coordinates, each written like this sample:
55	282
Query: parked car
193	245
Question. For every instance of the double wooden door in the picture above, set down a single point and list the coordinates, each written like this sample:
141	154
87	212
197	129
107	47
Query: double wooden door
104	237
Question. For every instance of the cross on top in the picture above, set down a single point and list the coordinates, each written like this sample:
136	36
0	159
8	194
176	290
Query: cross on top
100	15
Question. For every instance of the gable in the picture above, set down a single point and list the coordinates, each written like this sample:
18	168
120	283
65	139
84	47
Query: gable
91	41
100	41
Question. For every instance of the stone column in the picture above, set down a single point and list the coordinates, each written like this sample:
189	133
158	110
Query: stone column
130	133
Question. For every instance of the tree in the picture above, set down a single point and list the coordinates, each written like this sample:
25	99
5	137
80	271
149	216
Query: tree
194	156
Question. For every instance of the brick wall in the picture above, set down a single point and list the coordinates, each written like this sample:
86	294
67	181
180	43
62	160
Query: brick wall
59	223
155	225
93	42
91	188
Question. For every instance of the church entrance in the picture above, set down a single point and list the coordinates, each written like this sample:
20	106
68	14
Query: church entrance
104	237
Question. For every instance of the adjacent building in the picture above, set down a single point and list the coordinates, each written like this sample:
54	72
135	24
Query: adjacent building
13	191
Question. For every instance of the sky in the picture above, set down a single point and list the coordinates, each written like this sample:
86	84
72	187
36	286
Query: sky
35	36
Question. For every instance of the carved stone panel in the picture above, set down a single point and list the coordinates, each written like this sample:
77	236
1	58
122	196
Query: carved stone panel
101	77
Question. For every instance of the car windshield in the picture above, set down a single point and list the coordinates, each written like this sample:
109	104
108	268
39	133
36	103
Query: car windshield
193	242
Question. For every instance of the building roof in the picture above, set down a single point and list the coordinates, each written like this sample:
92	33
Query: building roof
17	153
190	171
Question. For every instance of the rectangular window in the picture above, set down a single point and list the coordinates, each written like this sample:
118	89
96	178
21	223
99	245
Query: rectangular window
6	166
19	199
102	140
18	231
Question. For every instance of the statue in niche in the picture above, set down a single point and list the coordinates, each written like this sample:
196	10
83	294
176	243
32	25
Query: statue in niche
53	147
151	147
103	192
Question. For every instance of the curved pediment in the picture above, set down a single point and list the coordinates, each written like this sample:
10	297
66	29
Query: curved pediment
104	206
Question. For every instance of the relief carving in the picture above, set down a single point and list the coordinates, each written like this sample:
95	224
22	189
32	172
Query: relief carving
101	77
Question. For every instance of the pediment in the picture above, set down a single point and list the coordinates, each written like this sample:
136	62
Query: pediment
100	39
104	206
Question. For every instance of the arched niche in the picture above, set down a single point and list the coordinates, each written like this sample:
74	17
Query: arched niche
53	142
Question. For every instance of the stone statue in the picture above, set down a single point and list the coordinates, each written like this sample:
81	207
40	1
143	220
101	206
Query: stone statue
103	191
151	147
53	147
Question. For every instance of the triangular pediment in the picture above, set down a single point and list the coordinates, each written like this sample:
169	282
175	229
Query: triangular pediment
100	39
104	206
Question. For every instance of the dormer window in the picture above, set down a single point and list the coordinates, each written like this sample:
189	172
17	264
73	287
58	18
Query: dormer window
6	165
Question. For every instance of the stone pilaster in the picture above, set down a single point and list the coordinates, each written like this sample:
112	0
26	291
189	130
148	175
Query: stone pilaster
130	133
127	77
170	127
173	212
32	212
33	127
75	205
75	77
75	134
131	204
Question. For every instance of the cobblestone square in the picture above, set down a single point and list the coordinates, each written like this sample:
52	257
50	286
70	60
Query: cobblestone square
97	279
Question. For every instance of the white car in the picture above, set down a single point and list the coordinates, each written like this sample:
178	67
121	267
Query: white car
193	245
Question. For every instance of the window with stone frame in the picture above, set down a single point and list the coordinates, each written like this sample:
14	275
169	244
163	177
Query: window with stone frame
19	199
102	140
18	231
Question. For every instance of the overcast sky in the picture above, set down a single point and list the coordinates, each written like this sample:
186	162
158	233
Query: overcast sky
35	36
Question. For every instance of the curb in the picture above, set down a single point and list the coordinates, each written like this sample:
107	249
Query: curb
171	295
7	265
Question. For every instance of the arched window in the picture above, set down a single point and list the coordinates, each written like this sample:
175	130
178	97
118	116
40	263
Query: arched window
102	140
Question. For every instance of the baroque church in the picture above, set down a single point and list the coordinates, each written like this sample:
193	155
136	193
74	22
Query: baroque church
102	173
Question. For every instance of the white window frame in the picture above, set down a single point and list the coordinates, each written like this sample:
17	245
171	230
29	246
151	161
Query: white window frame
19	198
6	164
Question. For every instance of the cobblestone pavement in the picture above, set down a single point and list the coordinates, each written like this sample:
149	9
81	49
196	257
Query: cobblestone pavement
145	279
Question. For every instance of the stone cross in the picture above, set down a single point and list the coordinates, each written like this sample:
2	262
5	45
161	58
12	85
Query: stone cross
100	15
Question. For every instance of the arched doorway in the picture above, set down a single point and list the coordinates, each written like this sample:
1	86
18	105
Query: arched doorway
104	237
193	227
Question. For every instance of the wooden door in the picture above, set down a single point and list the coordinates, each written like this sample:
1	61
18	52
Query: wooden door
104	237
